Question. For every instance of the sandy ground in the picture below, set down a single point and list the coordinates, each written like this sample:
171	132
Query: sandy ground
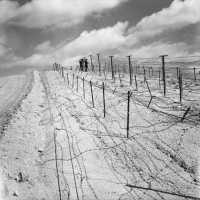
57	146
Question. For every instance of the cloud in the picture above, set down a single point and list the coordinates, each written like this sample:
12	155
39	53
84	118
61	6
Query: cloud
158	48
178	15
44	47
101	40
105	39
116	39
8	10
55	13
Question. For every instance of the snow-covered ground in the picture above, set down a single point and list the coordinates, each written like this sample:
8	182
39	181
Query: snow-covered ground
57	146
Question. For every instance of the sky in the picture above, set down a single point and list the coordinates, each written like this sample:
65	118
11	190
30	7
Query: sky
36	33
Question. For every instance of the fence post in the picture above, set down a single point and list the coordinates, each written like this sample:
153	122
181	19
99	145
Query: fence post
104	100
180	86
163	72
149	72
83	79
195	77
177	73
130	69
136	85
98	56
151	96
144	74
67	79
92	93
128	114
111	63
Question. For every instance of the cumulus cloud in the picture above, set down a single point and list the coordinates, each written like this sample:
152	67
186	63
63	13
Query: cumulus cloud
54	13
105	39
101	40
178	15
118	38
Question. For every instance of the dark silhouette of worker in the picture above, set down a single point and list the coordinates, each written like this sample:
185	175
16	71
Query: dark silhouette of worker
81	63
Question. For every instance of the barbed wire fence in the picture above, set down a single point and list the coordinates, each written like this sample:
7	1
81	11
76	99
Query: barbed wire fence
134	82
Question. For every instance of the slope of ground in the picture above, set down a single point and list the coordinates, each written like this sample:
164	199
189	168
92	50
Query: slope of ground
57	146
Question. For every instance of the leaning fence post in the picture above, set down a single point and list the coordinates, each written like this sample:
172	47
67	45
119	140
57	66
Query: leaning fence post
128	114
83	79
104	100
92	93
151	96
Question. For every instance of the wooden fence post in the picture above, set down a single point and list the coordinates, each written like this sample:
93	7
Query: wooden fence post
67	79
177	73
130	69
111	64
128	114
136	84
195	77
180	86
104	100
92	93
99	62
163	72
144	74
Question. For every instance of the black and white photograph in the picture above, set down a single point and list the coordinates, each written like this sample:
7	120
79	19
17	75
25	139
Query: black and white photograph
99	99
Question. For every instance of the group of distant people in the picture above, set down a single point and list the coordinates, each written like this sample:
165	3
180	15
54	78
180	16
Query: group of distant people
83	62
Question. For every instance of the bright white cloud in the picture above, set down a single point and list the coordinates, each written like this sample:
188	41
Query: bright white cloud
97	40
179	14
